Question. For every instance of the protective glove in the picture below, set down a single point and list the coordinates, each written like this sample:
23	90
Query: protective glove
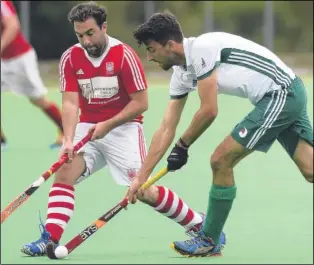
177	158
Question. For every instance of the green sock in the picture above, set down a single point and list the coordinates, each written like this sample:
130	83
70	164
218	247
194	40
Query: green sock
219	205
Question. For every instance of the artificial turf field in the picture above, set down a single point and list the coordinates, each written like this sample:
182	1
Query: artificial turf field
271	220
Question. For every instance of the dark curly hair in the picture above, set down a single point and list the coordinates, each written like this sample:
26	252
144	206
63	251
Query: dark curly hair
84	11
161	27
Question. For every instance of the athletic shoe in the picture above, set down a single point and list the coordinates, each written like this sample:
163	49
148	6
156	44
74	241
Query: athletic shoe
38	247
199	246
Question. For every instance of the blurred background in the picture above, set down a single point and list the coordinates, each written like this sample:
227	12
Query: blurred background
285	27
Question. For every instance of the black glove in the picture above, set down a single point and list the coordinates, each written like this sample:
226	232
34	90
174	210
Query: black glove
177	158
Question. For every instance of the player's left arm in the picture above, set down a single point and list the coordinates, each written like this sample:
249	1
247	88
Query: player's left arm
134	81
133	78
207	112
11	24
205	59
137	105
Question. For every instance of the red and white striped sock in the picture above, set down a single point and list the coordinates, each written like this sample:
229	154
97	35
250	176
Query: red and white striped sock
173	207
60	209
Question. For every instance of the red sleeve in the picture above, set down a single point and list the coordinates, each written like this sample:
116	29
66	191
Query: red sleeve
133	76
7	9
68	80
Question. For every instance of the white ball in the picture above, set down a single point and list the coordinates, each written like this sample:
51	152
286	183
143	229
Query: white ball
61	252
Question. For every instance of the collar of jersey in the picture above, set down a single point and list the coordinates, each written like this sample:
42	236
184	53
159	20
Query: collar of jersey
187	46
97	61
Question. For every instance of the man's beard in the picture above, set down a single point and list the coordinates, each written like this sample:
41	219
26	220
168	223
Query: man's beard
173	60
165	67
95	50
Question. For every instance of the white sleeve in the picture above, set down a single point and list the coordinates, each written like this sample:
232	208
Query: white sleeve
179	86
205	57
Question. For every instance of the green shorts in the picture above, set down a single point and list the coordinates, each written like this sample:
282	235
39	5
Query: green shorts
280	115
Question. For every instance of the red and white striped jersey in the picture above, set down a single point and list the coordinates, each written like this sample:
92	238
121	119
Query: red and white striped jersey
19	44
105	83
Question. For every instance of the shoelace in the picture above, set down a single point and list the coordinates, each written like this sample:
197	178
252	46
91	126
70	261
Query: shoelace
196	240
192	232
44	234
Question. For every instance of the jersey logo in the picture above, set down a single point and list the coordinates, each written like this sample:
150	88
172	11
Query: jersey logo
131	173
97	88
203	63
80	72
243	132
109	67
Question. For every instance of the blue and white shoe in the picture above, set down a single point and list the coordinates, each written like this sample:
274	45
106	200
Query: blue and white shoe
199	246
58	143
55	146
38	247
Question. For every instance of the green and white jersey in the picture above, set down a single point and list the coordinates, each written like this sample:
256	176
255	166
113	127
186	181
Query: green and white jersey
244	68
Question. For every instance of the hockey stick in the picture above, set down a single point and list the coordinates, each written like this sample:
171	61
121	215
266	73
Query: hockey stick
95	226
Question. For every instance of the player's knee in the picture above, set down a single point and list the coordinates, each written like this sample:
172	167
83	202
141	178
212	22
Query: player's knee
149	195
307	170
308	174
63	175
218	162
310	180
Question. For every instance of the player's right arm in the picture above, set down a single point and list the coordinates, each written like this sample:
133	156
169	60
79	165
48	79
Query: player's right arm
70	110
164	135
70	102
11	24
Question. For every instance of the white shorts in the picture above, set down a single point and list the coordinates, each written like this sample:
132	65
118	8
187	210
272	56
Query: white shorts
21	76
123	150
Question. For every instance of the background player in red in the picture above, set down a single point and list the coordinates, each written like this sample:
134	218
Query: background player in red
19	69
104	78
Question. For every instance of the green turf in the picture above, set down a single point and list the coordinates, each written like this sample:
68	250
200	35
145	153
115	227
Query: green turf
271	220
